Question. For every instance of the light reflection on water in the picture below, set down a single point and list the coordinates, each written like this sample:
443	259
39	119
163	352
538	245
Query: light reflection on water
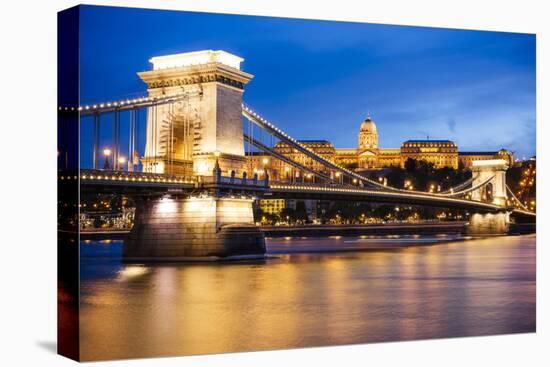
395	291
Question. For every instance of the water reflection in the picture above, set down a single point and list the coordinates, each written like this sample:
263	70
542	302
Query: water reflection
297	299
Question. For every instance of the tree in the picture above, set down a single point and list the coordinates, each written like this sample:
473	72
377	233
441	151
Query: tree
258	214
301	212
288	215
410	165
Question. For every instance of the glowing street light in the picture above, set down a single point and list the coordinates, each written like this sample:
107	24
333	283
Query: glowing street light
265	161
287	172
121	162
337	174
107	152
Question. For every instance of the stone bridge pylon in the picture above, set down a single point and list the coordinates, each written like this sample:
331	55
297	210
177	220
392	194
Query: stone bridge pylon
206	125
201	135
494	173
493	170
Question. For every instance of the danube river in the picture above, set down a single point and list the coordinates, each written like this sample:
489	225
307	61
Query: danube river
307	294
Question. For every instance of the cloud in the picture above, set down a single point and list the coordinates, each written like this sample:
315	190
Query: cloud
451	123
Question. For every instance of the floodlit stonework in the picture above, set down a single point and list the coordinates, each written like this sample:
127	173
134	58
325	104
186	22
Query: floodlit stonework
370	156
197	134
493	171
205	228
208	118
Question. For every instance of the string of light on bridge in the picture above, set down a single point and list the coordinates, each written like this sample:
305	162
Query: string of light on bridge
407	194
254	114
127	102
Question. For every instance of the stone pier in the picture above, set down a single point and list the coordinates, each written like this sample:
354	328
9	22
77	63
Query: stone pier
196	228
200	135
489	223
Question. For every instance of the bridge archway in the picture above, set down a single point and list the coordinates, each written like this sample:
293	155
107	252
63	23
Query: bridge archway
488	193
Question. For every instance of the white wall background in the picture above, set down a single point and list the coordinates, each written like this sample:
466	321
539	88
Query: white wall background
28	181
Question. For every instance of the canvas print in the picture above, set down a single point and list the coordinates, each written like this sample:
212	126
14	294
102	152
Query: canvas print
231	183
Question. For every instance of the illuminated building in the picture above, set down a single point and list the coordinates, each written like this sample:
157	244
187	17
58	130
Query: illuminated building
369	155
272	206
321	147
441	153
466	158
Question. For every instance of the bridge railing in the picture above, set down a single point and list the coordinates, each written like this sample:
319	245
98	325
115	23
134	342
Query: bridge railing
234	180
96	174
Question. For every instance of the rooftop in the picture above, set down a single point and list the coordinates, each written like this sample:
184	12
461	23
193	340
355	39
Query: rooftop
428	141
196	58
315	141
477	153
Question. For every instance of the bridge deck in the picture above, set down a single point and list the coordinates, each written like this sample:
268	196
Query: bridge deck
118	180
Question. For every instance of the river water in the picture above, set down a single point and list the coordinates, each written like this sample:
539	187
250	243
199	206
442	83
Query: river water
307	294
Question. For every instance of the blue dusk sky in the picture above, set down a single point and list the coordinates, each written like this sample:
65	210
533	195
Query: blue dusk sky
320	79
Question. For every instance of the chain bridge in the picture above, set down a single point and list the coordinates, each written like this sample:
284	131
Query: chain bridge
190	177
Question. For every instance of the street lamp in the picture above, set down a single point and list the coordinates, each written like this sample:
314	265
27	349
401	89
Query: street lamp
107	152
122	161
217	164
265	161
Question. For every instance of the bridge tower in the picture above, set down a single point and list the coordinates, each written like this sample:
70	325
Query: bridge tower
201	135
189	136
493	171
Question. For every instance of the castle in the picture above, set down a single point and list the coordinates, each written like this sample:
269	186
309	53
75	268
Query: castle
368	155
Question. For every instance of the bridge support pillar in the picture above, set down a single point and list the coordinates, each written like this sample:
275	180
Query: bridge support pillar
489	223
205	228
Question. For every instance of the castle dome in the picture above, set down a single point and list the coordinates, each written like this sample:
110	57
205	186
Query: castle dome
368	126
368	136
